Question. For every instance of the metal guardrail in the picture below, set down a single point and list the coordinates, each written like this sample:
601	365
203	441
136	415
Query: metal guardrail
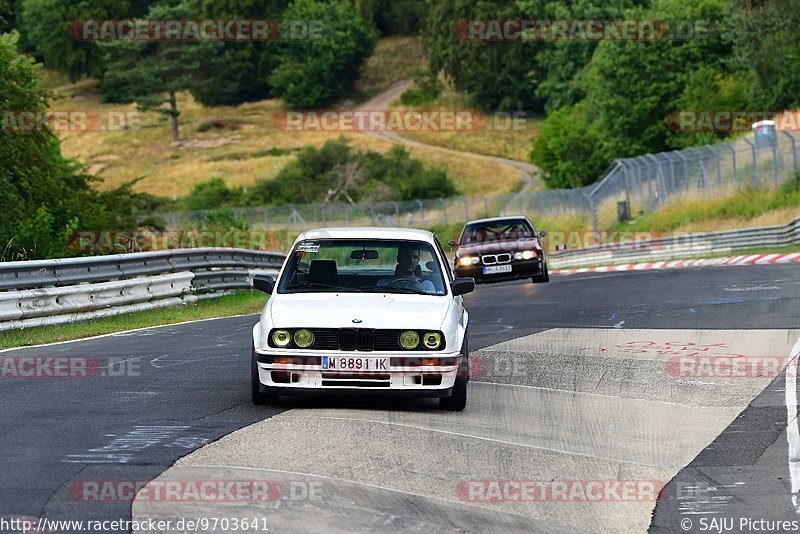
43	292
680	246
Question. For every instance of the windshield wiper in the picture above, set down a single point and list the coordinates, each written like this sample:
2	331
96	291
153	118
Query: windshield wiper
384	289
314	285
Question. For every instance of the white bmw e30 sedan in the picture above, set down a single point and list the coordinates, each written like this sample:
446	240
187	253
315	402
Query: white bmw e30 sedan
363	311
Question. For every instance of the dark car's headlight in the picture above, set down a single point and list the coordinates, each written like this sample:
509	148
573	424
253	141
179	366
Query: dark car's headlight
466	261
525	255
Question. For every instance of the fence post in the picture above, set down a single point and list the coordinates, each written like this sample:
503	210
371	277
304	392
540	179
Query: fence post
626	181
485	206
794	149
733	153
719	164
594	213
444	211
775	160
466	209
755	160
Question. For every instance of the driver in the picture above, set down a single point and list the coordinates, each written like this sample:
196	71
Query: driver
407	263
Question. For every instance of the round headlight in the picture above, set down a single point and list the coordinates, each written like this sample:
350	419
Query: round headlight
409	339
528	254
432	340
304	338
465	261
281	338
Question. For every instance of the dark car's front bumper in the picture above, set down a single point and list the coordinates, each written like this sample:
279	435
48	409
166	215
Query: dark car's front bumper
519	269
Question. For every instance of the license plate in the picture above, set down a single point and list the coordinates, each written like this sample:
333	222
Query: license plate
348	363
494	269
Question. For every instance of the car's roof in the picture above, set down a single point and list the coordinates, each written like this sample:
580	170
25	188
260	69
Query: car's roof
497	219
367	232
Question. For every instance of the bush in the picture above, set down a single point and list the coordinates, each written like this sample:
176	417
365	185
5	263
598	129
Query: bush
213	194
315	72
429	89
569	148
338	173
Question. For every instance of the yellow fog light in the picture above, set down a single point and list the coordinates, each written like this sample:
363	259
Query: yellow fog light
409	339
304	338
432	340
281	338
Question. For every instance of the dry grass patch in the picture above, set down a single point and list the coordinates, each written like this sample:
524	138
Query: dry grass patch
498	138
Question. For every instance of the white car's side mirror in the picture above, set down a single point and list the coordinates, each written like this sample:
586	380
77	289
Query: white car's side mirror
264	283
460	286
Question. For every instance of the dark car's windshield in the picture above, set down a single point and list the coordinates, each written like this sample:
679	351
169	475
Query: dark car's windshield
493	231
362	266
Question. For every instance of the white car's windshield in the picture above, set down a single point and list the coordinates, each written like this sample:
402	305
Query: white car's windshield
363	265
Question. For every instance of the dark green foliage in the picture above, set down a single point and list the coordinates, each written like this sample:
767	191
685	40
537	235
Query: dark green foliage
428	90
495	75
338	173
244	76
46	24
399	17
44	197
7	22
766	41
213	194
315	72
568	148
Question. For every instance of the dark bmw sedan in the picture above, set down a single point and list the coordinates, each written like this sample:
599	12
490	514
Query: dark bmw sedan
500	249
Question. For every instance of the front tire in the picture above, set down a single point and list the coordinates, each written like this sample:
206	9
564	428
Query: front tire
457	400
259	398
542	278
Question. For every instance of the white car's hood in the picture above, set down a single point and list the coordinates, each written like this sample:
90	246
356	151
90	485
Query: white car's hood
374	310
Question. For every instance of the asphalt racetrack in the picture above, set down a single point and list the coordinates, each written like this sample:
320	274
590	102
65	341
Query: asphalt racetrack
599	403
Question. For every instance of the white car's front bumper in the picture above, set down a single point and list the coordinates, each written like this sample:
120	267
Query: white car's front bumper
405	375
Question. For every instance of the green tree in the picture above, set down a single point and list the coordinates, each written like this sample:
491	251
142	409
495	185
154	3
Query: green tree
7	22
766	42
568	148
46	26
244	77
315	72
41	193
564	62
495	75
149	70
